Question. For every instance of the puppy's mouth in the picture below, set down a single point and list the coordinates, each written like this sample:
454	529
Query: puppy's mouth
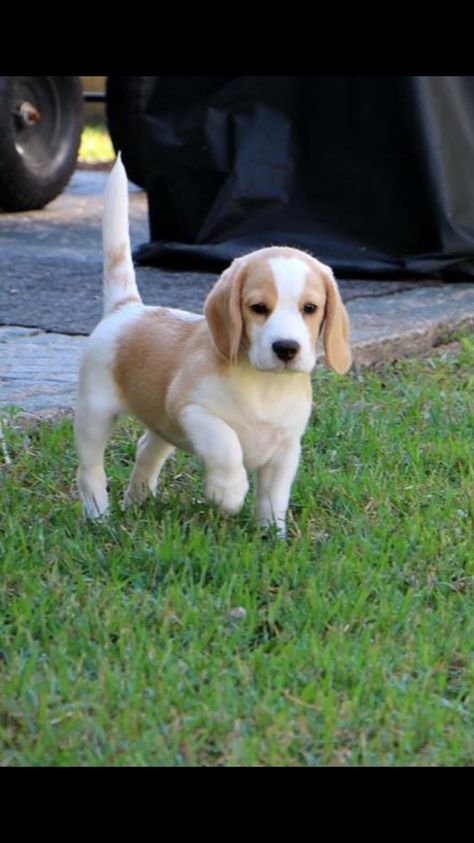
277	366
295	366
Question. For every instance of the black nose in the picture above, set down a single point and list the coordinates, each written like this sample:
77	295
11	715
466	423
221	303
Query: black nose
286	349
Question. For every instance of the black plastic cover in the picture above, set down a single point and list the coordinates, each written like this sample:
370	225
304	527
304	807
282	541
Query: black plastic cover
374	175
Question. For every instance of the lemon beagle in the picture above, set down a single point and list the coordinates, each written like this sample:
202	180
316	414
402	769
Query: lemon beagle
232	386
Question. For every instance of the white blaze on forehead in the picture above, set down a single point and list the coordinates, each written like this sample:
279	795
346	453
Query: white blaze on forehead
289	275
285	322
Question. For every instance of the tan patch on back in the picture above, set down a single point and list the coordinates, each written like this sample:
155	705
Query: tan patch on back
159	360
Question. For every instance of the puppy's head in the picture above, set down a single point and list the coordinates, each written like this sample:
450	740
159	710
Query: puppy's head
271	305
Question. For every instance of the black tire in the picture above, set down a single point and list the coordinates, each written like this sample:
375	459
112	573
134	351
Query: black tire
40	133
127	98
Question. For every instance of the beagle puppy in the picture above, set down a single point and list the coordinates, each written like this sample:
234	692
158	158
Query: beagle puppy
232	386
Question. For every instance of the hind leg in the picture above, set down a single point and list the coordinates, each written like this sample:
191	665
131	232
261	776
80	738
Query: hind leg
152	451
93	427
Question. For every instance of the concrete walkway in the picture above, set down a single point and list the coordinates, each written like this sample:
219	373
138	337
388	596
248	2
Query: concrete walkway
50	298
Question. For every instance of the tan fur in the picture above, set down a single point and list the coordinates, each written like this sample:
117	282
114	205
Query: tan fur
223	311
158	360
116	257
336	331
123	302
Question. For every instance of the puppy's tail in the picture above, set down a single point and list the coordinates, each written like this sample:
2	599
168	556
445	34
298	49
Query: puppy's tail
119	275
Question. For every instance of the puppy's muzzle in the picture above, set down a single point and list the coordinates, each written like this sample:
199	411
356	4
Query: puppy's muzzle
286	349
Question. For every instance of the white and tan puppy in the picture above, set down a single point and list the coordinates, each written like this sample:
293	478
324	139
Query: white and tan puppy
232	386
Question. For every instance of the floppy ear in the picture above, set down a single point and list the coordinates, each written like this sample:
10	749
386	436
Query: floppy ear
223	312
336	326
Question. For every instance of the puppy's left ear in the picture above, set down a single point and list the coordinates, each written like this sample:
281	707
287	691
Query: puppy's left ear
336	326
223	311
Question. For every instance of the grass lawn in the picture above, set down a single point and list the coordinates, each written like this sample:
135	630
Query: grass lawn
96	145
119	643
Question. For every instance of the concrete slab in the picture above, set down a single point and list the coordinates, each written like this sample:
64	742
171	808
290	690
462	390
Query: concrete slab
408	323
38	371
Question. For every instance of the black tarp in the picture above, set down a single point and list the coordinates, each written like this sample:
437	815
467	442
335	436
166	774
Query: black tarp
374	175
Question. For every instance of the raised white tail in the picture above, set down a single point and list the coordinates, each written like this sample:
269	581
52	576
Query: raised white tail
119	274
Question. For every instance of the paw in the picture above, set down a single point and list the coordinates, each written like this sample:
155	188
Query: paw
228	493
93	496
94	504
278	525
137	491
269	519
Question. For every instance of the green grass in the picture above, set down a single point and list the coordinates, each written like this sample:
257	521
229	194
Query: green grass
96	146
117	647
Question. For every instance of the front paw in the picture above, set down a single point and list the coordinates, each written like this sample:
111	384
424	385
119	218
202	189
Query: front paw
277	525
228	492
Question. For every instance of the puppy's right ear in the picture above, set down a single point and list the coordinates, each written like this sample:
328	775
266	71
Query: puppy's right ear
223	311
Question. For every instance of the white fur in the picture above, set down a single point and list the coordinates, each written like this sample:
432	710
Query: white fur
285	323
289	275
119	280
264	409
251	420
249	415
218	446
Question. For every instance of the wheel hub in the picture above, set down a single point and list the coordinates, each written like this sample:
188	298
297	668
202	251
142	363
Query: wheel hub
26	115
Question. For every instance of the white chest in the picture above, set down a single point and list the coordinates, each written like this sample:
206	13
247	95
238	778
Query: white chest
265	409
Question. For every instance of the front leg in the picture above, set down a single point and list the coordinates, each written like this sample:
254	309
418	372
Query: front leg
219	447
274	481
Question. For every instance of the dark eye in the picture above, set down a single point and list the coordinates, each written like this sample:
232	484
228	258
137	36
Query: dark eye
260	308
310	308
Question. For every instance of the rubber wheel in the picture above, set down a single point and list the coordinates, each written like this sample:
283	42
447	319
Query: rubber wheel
127	98
40	132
